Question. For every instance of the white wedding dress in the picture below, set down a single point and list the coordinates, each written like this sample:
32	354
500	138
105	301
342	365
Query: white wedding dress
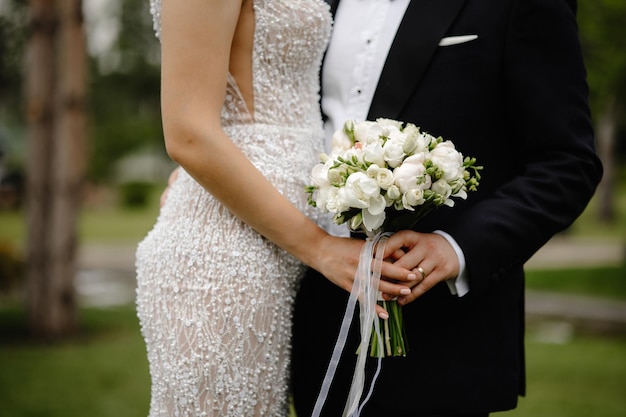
214	298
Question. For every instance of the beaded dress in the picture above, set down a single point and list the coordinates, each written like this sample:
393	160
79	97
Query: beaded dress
214	297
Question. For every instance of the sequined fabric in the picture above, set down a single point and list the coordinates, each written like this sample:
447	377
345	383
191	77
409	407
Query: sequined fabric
214	298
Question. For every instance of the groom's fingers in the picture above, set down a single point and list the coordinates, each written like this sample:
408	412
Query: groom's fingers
432	278
396	243
419	290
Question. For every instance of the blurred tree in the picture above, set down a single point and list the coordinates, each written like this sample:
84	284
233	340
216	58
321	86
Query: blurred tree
12	35
123	105
125	96
55	81
603	36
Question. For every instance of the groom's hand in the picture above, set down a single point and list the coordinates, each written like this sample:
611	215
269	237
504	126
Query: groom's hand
428	255
338	260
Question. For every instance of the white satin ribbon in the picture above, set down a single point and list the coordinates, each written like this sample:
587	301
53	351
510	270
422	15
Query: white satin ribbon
365	289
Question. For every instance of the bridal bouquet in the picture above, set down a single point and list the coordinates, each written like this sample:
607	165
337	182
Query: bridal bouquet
383	176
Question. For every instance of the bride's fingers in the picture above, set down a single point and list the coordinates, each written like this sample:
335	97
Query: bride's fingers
395	272
393	289
381	312
433	278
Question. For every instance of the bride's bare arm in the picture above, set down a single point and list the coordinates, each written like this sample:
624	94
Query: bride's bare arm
200	40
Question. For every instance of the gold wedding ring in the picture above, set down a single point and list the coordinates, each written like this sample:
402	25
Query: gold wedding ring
421	271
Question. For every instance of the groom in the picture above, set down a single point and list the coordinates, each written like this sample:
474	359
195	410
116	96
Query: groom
504	80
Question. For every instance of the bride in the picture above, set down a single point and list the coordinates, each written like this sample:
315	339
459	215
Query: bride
217	274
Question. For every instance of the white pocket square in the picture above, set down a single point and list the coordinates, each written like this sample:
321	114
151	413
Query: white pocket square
455	40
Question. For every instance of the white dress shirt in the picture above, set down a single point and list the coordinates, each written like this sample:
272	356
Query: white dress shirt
362	35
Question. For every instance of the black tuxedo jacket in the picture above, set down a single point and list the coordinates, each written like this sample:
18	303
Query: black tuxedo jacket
515	98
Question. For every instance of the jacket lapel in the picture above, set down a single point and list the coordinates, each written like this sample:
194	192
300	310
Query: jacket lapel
425	22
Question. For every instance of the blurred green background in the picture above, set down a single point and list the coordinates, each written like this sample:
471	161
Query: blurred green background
576	336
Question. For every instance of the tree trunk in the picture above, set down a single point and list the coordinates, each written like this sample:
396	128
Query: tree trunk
55	96
605	135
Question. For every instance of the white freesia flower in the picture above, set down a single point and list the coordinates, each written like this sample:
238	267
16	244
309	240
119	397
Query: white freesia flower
337	176
409	146
368	132
394	134
319	175
460	193
359	190
356	221
340	142
423	142
381	121
374	215
414	141
373	153
442	188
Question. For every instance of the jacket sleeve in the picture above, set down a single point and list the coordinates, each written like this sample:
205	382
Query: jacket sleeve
557	170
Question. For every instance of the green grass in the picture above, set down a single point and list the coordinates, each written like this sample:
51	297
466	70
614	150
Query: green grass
107	223
587	224
104	373
581	378
607	281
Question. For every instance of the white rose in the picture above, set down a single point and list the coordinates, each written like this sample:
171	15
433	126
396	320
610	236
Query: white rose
394	153
411	173
448	159
412	198
334	203
383	176
393	194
